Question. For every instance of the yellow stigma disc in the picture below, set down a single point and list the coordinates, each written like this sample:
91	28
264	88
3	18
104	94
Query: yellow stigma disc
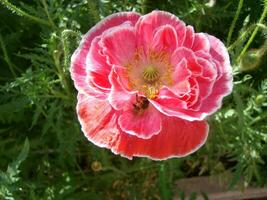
150	74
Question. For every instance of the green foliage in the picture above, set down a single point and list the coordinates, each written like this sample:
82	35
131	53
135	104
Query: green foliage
9	179
37	101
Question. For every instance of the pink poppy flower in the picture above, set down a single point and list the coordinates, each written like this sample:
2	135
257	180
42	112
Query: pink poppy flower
146	84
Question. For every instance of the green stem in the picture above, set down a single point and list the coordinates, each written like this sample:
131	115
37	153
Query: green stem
253	33
23	13
65	36
241	37
259	118
232	27
6	58
62	76
48	15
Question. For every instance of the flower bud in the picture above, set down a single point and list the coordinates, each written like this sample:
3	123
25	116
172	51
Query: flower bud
260	99
250	60
96	166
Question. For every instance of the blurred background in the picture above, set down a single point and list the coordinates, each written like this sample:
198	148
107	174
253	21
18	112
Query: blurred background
43	153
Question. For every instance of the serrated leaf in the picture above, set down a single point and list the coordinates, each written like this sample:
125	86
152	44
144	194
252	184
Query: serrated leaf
13	168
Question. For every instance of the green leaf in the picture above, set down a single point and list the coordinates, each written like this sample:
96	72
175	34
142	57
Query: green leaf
13	168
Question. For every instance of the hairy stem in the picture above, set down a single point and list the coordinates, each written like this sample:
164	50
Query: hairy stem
243	35
20	12
6	58
65	41
48	15
254	32
232	27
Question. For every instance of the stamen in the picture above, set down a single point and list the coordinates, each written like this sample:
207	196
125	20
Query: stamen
148	72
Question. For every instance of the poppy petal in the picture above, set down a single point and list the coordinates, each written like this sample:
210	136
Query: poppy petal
78	59
178	138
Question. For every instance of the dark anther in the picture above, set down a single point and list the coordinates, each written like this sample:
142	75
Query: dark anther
142	103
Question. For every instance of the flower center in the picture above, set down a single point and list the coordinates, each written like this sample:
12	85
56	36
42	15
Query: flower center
150	74
148	71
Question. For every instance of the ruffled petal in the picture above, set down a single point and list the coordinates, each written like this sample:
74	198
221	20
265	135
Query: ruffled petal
181	72
141	123
178	138
98	120
189	38
78	59
119	97
119	45
224	80
219	52
221	88
147	24
184	53
168	103
165	39
97	67
201	43
205	86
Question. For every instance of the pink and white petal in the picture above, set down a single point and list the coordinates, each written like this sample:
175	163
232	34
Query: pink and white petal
98	120
141	123
222	87
181	89
178	138
189	38
96	61
119	97
209	70
102	91
219	52
147	24
201	42
169	97
78	59
99	80
184	53
119	45
79	75
97	67
205	86
224	81
168	103
216	64
186	114
181	71
165	39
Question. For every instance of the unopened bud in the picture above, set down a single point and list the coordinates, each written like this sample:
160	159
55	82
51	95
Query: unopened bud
96	166
250	60
260	99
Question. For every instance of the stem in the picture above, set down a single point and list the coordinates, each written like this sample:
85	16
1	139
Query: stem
65	35
48	15
241	37
62	76
253	33
232	27
23	13
259	118
6	58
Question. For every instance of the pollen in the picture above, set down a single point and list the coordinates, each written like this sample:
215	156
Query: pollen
148	71
150	74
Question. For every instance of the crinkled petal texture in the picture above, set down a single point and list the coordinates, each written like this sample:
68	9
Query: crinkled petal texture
177	138
146	83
